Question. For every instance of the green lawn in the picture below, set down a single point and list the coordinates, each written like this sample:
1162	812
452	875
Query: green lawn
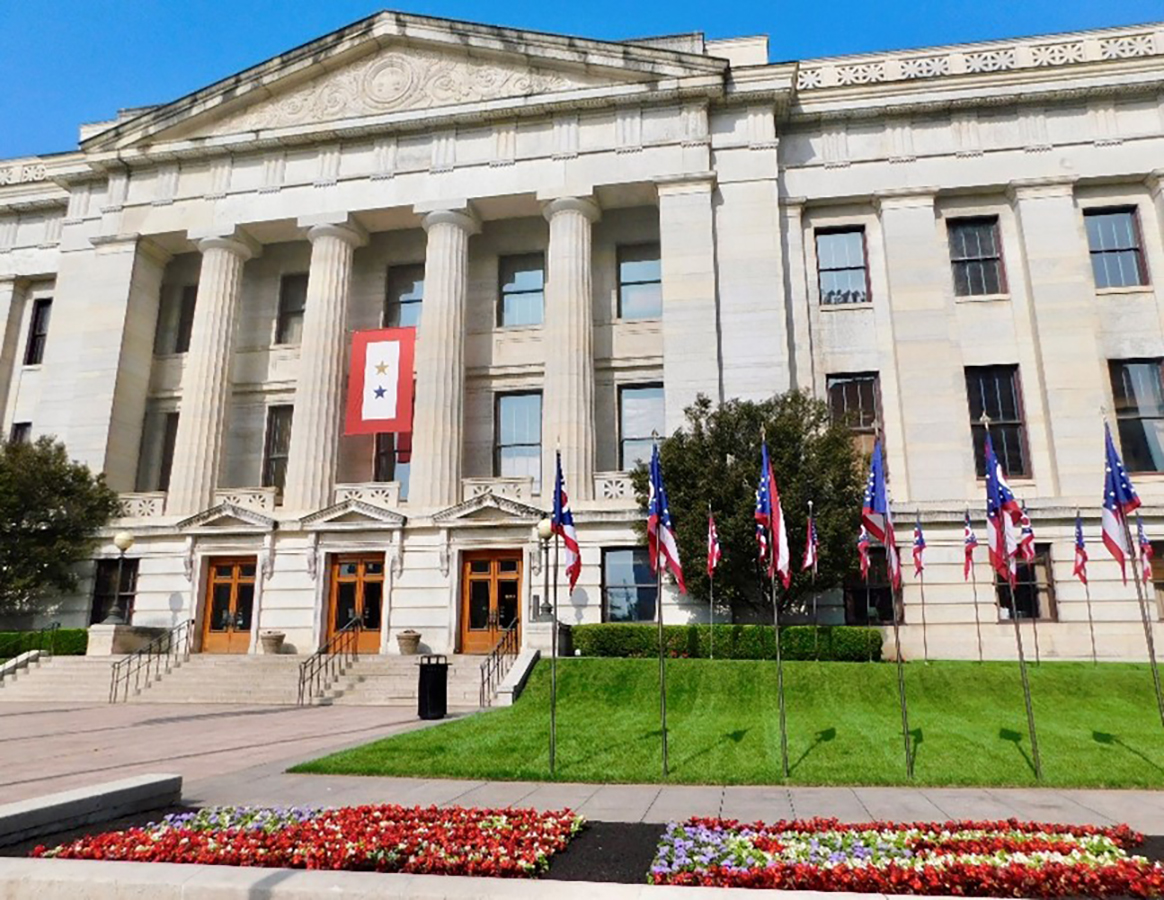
1097	726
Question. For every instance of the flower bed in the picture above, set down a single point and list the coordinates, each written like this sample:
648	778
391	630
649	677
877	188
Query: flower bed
454	841
1011	858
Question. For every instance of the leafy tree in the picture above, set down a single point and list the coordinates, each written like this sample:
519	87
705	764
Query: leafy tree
50	511
715	459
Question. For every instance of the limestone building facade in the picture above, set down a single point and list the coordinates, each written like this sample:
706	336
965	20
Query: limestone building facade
587	235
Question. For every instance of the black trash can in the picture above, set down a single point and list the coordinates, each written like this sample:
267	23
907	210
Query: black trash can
433	690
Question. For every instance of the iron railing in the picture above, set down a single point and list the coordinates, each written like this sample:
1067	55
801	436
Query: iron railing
142	666
497	663
329	661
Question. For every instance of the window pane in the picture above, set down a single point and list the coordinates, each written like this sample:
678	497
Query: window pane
522	283
373	593
405	293
185	318
843	286
641	412
169	441
630	588
521	309
520	418
292	301
640	262
994	389
478	605
1142	442
841	250
37	331
520	462
641	301
244	603
1113	230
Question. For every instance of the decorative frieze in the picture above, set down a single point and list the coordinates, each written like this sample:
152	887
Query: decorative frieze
925	67
1127	46
384	158
1059	54
23	173
504	144
257	499
861	73
762	128
990	60
513	488
142	505
221	168
384	494
166	184
613	486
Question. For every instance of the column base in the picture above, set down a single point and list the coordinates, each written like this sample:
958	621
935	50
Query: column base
118	640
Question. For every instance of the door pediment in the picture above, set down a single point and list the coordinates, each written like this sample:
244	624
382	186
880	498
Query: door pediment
486	509
350	515
227	518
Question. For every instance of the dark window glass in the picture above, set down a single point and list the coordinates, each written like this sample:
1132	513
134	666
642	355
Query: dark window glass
38	331
1139	403
1158	576
21	433
517	441
405	294
185	318
640	282
393	460
1117	256
841	266
629	589
276	447
976	256
1034	590
855	401
292	302
995	391
640	412
523	281
105	590
169	439
870	604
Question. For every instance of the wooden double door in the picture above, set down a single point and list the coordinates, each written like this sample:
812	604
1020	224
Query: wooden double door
490	597
357	592
230	605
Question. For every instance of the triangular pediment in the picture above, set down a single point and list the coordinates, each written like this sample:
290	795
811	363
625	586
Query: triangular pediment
351	515
392	66
228	517
486	508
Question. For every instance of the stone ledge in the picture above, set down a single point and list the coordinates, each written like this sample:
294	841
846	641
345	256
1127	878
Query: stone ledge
72	809
70	879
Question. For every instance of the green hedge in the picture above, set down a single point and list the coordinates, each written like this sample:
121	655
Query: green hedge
65	642
839	643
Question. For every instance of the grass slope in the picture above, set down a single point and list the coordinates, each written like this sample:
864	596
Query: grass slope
1097	726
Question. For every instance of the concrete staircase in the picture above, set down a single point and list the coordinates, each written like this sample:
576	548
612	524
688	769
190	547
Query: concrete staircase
59	679
392	681
213	678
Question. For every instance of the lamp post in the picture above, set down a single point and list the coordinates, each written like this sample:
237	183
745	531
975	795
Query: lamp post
123	540
545	532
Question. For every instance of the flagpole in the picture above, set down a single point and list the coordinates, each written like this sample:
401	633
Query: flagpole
921	580
1086	589
554	665
977	615
779	666
1134	551
659	609
815	618
711	593
901	686
868	598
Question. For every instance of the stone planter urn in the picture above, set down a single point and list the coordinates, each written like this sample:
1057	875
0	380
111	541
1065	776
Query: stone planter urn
408	641
272	641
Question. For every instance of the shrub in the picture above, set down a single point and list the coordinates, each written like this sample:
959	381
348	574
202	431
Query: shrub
65	642
837	643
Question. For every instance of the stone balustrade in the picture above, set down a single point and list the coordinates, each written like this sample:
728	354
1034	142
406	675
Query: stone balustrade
514	488
384	494
259	499
143	505
614	486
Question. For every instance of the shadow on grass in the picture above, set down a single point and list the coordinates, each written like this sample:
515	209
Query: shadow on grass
1102	737
1005	734
916	738
734	736
822	737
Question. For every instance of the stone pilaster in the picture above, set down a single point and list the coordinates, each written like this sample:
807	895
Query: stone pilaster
11	307
315	429
568	392
206	381
440	361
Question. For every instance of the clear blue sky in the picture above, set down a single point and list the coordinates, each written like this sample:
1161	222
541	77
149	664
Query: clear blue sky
65	62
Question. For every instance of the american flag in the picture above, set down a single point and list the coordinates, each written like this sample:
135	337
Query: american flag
1026	543
770	522
1080	550
562	521
660	532
1145	551
714	553
919	547
1002	516
970	540
877	518
863	552
1119	499
811	544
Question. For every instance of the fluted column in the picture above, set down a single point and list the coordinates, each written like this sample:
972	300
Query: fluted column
440	362
206	380
568	391
315	428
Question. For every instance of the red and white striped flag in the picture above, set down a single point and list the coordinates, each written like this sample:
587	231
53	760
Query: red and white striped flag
1145	552
714	553
811	544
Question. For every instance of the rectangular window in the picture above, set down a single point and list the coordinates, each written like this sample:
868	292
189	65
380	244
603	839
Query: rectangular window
107	593
169	439
392	460
1158	576
276	447
517	437
976	256
842	266
870	604
1117	255
1034	590
523	282
405	293
640	412
292	302
995	391
640	282
1139	405
855	401
38	331
628	585
21	433
185	318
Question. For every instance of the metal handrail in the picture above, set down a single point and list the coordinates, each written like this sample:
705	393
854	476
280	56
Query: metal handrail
330	659
144	665
496	665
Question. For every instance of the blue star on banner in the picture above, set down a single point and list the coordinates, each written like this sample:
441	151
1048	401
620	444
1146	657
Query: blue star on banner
379	392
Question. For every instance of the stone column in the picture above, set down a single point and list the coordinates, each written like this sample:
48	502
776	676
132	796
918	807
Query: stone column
568	391
206	381
11	308
438	424
319	392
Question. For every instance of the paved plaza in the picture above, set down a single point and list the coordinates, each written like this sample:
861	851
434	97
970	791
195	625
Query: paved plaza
238	754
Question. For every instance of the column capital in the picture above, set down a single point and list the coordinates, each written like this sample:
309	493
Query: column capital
1155	182
1039	188
905	198
464	218
352	234
237	242
688	183
586	206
